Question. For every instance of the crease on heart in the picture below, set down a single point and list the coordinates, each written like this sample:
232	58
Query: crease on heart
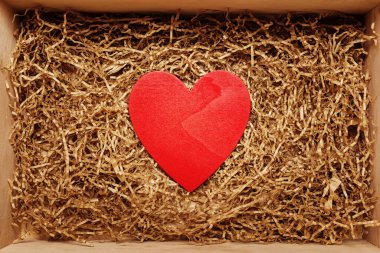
187	125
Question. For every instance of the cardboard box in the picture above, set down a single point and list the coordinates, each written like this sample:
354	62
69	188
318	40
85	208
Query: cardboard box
369	8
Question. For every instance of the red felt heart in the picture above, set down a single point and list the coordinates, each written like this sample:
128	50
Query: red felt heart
189	133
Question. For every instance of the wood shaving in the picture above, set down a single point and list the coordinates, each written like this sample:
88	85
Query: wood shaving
301	172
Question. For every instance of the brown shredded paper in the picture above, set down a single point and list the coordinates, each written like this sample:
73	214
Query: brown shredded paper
301	172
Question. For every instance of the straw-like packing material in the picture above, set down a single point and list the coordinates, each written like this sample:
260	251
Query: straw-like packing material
301	172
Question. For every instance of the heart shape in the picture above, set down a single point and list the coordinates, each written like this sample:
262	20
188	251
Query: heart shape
189	133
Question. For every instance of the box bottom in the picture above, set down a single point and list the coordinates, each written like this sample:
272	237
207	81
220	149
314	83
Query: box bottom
31	246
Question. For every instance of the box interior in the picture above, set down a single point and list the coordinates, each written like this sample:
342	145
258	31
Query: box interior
7	42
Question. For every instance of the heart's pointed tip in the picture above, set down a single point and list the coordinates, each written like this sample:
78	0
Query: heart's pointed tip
190	188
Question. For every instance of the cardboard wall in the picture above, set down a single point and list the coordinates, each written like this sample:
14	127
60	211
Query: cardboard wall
7	235
271	6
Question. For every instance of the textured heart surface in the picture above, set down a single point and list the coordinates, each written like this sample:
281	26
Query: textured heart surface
189	133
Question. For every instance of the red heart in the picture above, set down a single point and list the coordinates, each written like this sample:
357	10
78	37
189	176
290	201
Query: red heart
189	133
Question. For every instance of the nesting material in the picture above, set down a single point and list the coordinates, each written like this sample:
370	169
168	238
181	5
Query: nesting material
301	172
